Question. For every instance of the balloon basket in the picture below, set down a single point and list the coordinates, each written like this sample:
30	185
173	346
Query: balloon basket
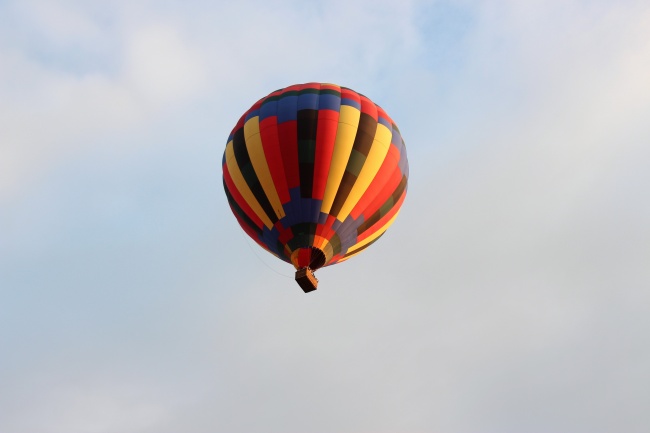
306	280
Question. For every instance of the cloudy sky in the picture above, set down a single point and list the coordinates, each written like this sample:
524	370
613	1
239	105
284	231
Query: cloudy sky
512	295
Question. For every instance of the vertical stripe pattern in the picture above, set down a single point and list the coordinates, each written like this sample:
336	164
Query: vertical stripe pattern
315	173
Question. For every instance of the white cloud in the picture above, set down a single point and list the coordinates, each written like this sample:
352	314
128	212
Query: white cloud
54	107
48	115
161	66
81	71
61	23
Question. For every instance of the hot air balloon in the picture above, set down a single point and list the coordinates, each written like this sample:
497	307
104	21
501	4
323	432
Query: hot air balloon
315	173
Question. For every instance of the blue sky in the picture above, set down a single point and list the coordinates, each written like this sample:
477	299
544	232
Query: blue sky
510	295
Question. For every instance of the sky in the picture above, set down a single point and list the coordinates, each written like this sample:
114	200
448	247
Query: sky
511	295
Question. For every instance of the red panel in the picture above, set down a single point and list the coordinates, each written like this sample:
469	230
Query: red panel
326	230
382	113
388	190
304	257
330	87
383	220
294	88
378	186
368	107
349	94
239	199
286	234
288	136
273	155
391	186
320	231
328	121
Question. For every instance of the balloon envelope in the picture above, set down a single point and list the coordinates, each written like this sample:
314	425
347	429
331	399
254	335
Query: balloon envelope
315	173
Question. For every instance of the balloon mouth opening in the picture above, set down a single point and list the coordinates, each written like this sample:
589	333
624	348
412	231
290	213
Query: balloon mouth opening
317	258
308	257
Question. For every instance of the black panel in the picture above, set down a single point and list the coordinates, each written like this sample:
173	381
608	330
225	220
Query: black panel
307	127
248	172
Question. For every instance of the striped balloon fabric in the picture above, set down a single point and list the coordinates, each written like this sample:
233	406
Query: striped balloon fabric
315	173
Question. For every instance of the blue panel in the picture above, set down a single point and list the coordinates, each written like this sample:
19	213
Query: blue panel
286	220
268	109
315	209
348	228
397	138
305	210
287	108
351	102
403	163
251	114
292	208
329	102
308	101
322	218
386	123
347	234
311	209
270	239
301	210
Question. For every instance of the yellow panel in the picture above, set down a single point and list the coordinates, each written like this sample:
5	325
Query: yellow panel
345	134
324	245
261	167
347	257
373	236
242	186
375	158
